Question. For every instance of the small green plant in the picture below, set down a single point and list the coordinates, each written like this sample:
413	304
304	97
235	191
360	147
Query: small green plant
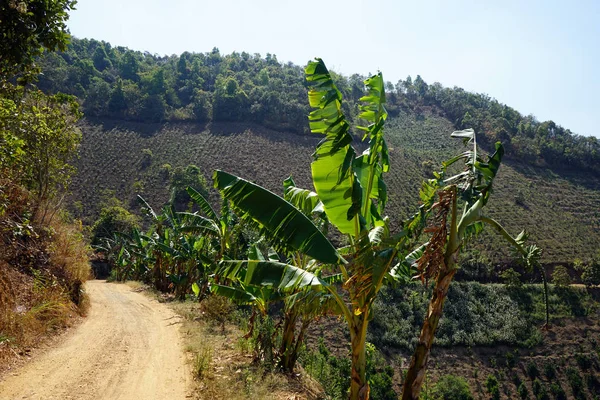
549	370
532	370
522	390
576	383
539	390
511	278
202	362
511	359
451	387
583	360
493	387
560	276
557	391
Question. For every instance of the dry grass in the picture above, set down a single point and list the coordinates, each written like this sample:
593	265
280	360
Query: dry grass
42	273
223	370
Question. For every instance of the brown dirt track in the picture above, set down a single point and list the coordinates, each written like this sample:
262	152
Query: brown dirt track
127	348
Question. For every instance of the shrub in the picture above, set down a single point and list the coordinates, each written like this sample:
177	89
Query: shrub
539	390
583	360
511	278
217	309
549	370
522	390
450	387
511	359
558	391
492	386
576	383
591	273
332	372
560	276
532	370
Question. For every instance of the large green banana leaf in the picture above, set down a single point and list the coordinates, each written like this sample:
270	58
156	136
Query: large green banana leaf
283	277
333	178
202	203
279	220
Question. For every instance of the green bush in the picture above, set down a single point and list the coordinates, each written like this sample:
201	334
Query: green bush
583	360
511	359
560	276
450	387
332	372
576	383
591	273
558	391
532	370
549	370
493	387
539	390
522	390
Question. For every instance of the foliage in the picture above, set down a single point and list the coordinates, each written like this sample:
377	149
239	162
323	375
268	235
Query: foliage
41	140
251	88
181	179
511	278
28	29
493	387
575	382
590	272
451	387
334	372
532	370
560	276
522	390
113	220
558	391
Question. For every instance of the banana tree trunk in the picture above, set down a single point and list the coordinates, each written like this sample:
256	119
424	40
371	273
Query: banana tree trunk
287	342
418	364
416	370
359	386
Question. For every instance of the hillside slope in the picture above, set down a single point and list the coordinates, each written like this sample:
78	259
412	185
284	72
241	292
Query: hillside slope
559	208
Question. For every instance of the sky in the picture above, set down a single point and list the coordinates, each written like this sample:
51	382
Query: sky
539	57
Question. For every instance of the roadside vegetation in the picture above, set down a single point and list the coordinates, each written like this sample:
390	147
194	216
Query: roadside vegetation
44	257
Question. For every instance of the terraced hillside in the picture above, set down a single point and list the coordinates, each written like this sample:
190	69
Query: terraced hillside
560	208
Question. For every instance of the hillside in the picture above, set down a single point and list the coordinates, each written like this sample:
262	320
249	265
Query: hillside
247	114
552	205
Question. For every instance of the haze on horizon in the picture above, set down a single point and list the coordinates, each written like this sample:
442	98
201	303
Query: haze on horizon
539	57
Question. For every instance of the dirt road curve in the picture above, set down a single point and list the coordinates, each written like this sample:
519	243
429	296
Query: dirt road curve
127	348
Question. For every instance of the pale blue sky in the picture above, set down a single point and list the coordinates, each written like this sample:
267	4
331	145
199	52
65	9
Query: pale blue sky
540	57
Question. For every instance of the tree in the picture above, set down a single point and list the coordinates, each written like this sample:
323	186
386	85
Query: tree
353	196
181	180
29	28
560	276
450	231
41	138
100	59
113	219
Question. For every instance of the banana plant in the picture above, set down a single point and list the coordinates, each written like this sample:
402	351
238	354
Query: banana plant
450	231
299	304
353	194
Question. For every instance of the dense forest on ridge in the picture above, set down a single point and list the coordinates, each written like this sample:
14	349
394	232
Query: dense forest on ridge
121	83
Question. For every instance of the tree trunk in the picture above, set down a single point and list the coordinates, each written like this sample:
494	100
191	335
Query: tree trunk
359	386
286	350
416	370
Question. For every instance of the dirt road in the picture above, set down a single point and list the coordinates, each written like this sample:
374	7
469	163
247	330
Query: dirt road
127	348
